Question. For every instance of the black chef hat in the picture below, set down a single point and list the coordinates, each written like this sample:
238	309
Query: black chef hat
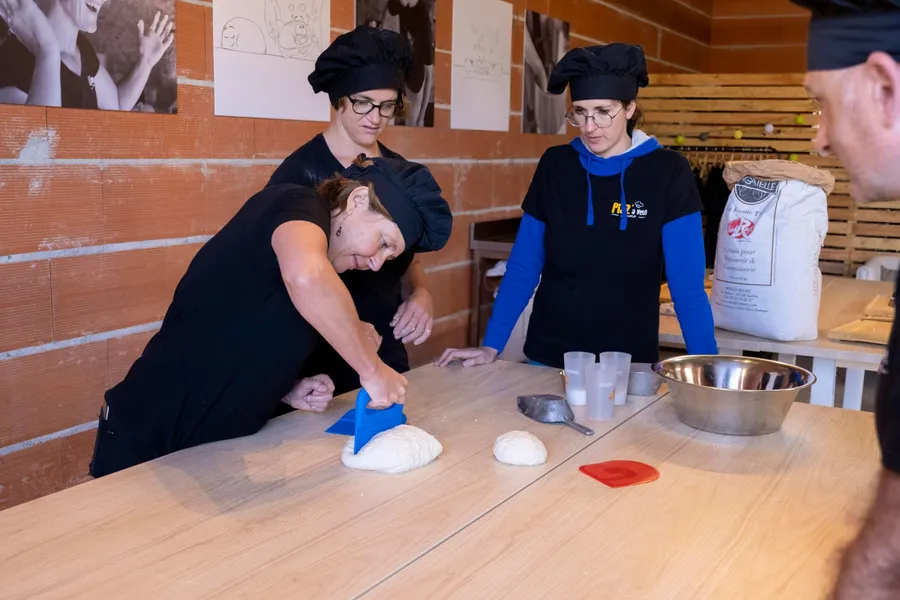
843	33
412	197
366	58
611	72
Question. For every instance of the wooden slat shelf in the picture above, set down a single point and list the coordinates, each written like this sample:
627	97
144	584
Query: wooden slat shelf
725	118
753	132
718	92
716	105
738	79
785	146
713	105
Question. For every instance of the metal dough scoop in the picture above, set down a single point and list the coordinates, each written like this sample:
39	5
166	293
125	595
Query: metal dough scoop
548	408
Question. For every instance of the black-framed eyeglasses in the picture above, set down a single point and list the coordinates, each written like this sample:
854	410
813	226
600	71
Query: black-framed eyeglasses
601	118
363	106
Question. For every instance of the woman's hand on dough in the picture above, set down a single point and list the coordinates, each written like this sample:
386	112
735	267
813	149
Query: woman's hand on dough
385	387
312	394
414	318
470	357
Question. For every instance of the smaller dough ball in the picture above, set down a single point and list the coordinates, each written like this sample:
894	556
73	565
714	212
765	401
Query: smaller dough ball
520	448
396	450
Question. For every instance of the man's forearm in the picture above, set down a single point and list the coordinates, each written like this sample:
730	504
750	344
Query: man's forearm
414	278
870	569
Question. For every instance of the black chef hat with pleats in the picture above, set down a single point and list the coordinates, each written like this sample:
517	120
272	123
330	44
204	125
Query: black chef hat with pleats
366	58
412	197
843	33
611	72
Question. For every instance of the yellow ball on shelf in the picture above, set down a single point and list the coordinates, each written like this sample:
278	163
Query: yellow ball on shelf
799	119
738	134
679	139
794	157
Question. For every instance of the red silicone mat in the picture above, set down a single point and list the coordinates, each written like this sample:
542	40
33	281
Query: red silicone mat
620	473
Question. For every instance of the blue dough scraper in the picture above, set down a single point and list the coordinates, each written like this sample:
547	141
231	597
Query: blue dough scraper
364	423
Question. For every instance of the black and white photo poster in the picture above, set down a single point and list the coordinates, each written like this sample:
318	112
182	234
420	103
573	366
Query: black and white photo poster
546	41
413	19
106	54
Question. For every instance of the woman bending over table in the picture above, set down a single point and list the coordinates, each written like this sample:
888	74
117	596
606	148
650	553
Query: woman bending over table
252	305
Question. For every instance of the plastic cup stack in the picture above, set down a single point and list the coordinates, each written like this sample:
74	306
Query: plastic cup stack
601	390
622	362
575	364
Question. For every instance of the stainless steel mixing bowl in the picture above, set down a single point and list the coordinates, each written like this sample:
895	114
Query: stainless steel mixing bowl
733	395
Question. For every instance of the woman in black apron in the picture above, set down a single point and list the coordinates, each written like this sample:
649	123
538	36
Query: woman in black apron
255	300
363	72
601	214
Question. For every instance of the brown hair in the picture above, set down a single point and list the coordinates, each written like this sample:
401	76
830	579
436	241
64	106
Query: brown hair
338	103
337	189
637	119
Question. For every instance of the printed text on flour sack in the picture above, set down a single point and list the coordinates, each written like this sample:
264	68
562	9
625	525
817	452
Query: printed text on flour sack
767	281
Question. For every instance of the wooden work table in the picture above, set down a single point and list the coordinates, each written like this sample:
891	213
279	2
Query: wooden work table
730	517
276	515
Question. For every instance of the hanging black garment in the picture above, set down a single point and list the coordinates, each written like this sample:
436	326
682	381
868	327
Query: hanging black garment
715	197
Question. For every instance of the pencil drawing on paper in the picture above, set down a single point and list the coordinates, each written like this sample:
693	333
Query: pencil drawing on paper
292	29
483	61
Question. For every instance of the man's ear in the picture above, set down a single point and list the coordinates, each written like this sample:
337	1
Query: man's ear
882	79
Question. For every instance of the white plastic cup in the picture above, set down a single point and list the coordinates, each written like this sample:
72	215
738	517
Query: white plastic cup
601	390
623	370
576	387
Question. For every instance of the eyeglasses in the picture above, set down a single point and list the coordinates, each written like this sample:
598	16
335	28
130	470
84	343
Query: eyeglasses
601	118
363	106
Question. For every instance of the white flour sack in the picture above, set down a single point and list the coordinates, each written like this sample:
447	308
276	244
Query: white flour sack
767	279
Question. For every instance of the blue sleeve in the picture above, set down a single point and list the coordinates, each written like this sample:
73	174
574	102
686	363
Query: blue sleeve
686	270
523	273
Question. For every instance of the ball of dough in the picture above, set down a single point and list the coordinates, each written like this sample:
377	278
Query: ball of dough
396	450
520	448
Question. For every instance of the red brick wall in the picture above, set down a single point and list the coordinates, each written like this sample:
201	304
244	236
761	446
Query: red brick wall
100	213
758	36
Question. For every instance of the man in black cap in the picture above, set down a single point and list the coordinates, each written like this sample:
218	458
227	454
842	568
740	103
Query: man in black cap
853	71
364	72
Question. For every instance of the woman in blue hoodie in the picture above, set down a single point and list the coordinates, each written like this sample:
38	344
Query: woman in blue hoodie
600	216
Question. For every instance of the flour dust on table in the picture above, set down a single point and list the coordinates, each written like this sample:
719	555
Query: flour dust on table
520	448
396	450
